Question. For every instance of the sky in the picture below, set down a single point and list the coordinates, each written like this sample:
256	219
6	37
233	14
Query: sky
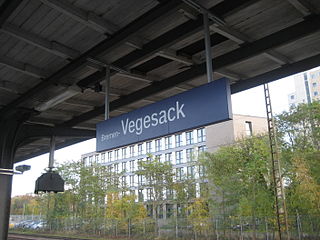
249	102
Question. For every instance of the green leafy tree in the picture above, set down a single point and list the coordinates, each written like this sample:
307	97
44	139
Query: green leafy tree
158	179
240	179
299	136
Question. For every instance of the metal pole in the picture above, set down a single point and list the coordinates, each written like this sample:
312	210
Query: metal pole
51	154
207	41
107	93
217	232
298	225
5	200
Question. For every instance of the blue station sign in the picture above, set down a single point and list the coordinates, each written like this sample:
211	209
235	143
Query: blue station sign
201	106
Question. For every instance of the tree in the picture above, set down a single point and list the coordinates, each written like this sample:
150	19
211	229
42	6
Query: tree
158	179
125	210
240	180
299	135
25	205
199	216
299	128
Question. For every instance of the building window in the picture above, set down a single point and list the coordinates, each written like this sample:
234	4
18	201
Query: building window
158	157
292	97
140	179
109	156
131	151
148	180
201	133
131	166
103	157
168	142
191	172
139	163
85	161
131	180
201	149
179	174
140	195
189	137
140	149
158	145
248	126
179	157
116	167
168	157
315	93
202	171
124	167
116	181
124	153
169	194
96	158
178	140
314	84
149	193
149	147
116	154
189	153
123	181
90	160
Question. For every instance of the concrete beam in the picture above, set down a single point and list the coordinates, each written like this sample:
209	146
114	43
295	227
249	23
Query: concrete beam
53	47
89	19
24	68
302	6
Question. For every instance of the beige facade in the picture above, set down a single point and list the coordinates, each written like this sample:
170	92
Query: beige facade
226	133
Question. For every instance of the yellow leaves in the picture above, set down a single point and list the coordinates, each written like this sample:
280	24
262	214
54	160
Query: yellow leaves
308	190
199	214
124	208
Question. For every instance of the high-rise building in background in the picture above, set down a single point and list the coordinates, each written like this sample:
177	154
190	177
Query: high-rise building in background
180	149
307	88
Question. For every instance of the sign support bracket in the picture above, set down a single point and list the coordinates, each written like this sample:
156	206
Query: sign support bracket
208	46
107	93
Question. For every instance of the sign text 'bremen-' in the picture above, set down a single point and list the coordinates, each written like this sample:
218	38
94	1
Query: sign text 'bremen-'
201	106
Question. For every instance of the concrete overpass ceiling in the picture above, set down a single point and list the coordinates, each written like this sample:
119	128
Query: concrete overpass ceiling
155	48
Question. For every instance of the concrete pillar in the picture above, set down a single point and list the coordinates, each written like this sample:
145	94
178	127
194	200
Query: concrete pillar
5	201
9	128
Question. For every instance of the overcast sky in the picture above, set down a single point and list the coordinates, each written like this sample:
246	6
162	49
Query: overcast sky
250	102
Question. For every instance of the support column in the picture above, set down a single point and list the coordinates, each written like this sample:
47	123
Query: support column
52	149
107	93
207	46
5	201
9	127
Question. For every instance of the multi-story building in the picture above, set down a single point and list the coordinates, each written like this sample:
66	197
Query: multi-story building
307	88
180	149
